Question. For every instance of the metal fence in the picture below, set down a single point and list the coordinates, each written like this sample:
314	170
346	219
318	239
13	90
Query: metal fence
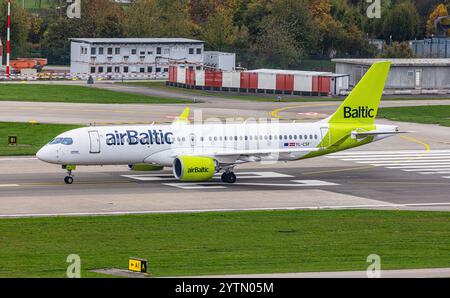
48	76
431	48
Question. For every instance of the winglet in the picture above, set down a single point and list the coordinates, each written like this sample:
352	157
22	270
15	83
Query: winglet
184	117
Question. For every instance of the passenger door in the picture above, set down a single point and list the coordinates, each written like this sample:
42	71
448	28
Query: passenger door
94	138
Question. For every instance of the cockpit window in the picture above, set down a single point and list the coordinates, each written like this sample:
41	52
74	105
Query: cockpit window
67	141
56	141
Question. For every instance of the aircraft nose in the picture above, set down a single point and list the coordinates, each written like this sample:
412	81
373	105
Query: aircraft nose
46	155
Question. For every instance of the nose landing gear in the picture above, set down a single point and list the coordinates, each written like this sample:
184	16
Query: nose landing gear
69	178
229	177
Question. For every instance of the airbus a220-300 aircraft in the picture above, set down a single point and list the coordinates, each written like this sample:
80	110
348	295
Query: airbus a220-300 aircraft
196	152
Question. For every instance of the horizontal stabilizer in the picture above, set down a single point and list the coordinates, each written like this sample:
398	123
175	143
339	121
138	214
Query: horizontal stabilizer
363	134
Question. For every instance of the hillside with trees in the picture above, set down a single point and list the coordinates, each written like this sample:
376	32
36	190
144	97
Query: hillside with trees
269	33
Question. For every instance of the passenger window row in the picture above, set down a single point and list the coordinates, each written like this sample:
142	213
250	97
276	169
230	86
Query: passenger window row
255	138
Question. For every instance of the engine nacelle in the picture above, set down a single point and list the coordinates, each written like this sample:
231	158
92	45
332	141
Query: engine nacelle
194	168
143	167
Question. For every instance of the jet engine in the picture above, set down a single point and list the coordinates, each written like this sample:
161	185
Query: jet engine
194	168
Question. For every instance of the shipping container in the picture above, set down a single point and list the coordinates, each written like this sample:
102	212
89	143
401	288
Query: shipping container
267	81
285	82
173	74
200	78
190	77
321	84
181	75
303	82
249	80
213	79
231	79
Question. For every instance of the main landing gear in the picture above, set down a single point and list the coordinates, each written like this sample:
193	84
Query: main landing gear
69	178
229	177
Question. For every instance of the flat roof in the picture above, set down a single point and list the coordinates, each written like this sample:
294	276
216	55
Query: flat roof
293	72
398	62
136	40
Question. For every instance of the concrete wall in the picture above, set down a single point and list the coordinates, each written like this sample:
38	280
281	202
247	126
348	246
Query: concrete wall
402	77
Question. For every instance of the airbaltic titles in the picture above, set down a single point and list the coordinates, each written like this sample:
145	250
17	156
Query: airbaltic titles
132	137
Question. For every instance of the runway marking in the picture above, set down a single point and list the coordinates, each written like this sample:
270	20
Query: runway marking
103	213
431	169
9	185
434	173
214	185
240	175
275	113
17	158
429	162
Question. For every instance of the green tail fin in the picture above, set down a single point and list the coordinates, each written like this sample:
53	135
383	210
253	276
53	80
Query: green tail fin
361	106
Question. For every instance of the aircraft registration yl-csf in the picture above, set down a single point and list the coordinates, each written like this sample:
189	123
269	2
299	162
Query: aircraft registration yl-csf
196	152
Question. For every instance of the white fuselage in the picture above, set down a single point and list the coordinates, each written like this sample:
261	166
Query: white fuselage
160	144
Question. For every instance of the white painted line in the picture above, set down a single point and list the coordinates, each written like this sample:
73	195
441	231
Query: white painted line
427	170
212	185
17	158
420	167
434	173
314	183
387	205
447	177
195	185
388	152
9	185
240	175
405	162
424	163
397	158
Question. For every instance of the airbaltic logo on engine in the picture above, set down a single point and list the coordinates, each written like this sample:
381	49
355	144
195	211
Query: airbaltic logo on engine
198	170
360	112
132	137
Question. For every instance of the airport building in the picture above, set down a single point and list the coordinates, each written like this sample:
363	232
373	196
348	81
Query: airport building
124	56
405	74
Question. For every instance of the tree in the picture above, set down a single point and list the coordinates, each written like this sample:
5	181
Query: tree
220	33
402	22
288	34
439	11
397	50
159	18
20	27
56	44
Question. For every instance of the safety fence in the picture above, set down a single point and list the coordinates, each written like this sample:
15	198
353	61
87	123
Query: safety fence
48	76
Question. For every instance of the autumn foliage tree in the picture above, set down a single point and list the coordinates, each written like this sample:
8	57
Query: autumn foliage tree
439	11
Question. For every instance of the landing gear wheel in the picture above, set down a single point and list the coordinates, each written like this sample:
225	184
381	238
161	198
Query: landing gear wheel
229	177
68	180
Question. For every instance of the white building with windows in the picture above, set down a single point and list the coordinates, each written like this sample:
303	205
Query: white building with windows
122	56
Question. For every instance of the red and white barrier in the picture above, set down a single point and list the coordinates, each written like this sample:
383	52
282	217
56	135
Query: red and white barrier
262	80
83	76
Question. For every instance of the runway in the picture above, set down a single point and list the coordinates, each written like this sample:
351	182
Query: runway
411	180
408	172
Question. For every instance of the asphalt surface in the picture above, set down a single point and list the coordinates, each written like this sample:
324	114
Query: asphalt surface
29	187
416	179
102	114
